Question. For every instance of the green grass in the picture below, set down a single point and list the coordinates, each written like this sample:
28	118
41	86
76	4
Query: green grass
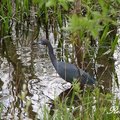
91	106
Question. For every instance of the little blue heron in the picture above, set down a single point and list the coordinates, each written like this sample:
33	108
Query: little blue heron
67	71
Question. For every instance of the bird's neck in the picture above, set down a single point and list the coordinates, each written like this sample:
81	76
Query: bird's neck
52	56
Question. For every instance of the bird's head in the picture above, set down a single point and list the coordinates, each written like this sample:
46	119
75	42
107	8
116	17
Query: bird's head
43	41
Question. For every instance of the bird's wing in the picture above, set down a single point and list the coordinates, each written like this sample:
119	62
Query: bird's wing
67	71
67	67
86	78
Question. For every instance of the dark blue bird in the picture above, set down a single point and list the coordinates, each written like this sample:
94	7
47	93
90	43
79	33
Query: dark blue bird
67	71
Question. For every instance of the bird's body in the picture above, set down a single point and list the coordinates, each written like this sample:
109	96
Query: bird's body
68	71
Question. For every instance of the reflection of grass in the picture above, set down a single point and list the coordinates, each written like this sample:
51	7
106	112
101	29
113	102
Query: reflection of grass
27	102
91	106
1	109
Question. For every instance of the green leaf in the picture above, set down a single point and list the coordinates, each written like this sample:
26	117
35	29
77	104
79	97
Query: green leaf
114	44
104	35
64	4
51	3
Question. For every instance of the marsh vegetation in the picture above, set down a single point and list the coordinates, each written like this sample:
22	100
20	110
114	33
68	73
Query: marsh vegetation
83	32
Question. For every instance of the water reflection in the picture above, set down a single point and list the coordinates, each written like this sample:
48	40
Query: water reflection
30	67
116	90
